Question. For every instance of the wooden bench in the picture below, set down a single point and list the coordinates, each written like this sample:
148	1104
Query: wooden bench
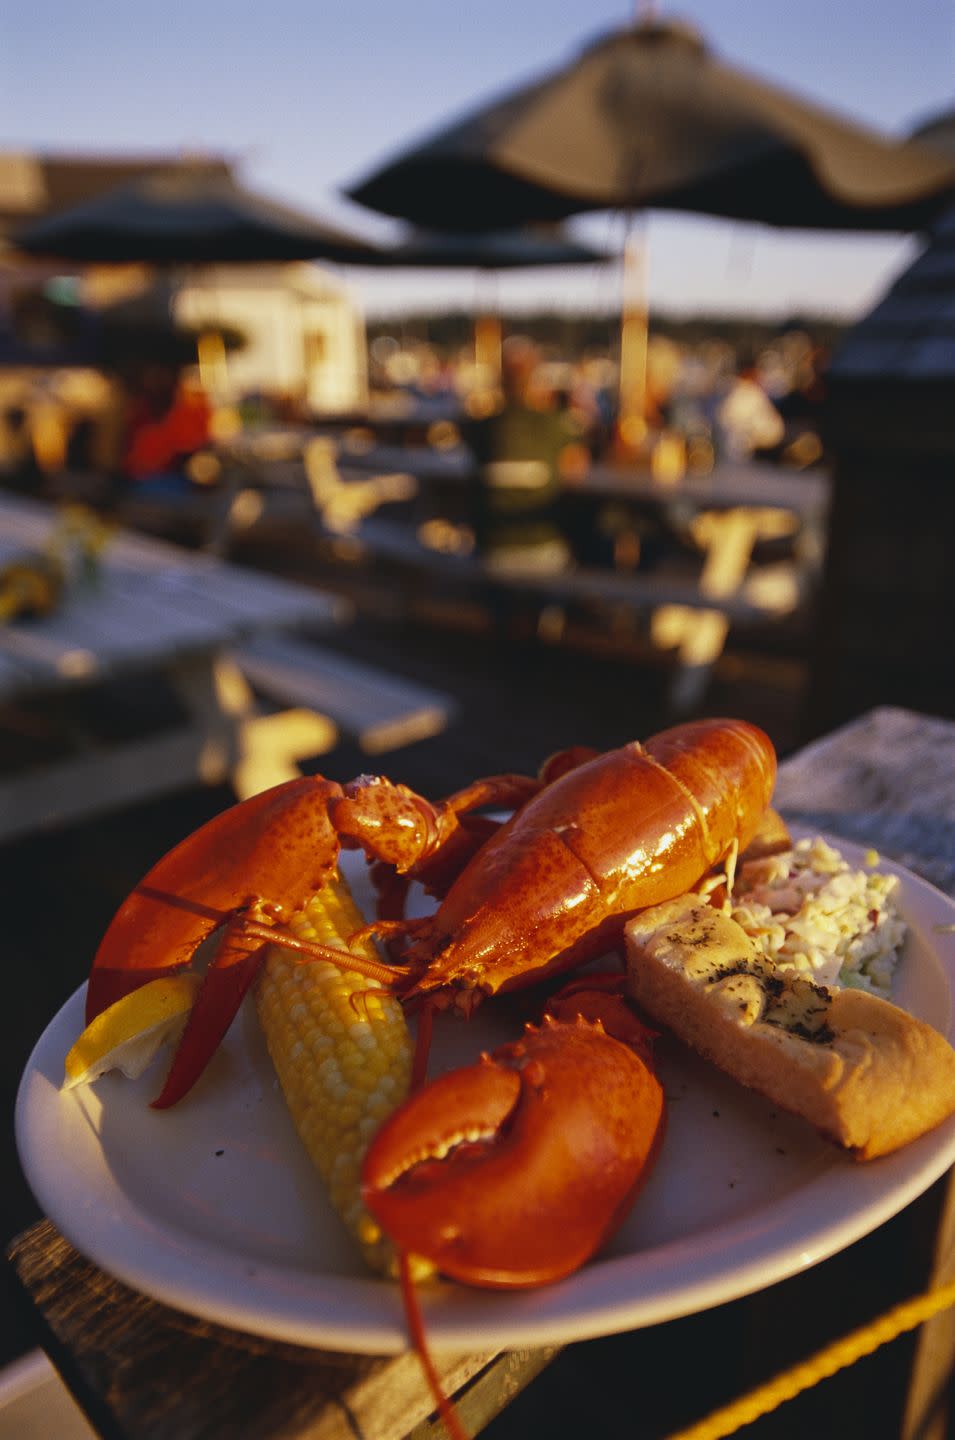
395	542
689	616
380	711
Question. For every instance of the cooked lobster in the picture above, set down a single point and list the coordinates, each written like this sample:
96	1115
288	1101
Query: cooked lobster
591	841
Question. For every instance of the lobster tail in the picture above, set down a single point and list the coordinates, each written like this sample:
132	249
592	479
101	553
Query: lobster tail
613	835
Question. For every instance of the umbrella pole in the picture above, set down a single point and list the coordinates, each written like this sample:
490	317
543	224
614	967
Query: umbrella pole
487	345
634	331
488	336
186	281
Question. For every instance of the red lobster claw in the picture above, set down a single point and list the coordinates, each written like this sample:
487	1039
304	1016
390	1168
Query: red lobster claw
514	1171
280	844
224	987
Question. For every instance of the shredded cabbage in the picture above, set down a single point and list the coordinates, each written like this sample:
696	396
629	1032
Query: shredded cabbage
810	912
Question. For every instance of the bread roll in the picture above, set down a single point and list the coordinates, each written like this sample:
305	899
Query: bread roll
863	1072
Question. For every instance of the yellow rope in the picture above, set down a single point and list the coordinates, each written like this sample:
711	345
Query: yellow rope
905	1316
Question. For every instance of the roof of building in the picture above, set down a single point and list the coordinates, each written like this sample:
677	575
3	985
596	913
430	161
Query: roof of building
910	334
37	184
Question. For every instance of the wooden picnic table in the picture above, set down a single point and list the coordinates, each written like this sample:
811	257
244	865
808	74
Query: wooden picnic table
729	483
294	484
149	608
144	1372
323	482
273	459
725	515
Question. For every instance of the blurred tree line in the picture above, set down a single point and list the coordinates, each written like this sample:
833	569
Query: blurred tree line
570	334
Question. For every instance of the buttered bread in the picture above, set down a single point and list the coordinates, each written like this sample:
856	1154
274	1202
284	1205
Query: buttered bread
865	1073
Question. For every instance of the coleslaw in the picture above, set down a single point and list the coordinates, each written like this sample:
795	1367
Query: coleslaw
809	911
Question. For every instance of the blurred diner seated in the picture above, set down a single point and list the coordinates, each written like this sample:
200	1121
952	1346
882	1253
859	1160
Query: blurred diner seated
168	423
524	451
747	421
17	462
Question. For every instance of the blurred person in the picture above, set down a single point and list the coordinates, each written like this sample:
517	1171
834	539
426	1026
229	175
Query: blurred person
97	438
169	421
664	369
688	409
746	420
590	405
524	451
18	469
50	423
602	434
802	411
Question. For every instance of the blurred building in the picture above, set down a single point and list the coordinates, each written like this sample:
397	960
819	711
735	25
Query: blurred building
889	581
33	185
303	336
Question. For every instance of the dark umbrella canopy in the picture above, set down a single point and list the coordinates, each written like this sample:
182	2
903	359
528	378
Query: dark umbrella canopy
938	133
649	117
490	251
186	216
494	250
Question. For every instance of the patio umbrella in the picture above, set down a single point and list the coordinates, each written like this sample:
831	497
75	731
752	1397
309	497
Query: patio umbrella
490	251
938	133
649	117
189	216
192	215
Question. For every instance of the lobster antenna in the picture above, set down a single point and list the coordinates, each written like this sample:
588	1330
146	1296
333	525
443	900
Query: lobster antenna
315	950
409	1297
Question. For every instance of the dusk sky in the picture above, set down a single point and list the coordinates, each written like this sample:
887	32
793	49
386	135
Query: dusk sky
308	97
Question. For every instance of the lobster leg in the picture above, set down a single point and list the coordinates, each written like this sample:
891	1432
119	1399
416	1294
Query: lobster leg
443	838
224	987
460	834
508	791
512	1172
436	874
393	824
563	761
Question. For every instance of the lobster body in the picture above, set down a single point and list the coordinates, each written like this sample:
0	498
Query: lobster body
621	832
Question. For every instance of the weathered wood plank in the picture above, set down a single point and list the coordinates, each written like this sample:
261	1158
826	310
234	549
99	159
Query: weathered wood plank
381	711
143	1371
148	605
86	785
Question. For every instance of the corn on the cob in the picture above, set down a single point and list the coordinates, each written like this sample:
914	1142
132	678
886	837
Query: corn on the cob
342	1052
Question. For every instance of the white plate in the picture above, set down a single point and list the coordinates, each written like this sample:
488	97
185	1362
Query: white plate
213	1207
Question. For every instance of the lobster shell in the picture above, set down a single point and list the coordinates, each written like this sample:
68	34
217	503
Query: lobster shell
623	831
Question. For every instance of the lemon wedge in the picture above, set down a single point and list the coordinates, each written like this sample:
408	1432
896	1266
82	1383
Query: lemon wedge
128	1034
